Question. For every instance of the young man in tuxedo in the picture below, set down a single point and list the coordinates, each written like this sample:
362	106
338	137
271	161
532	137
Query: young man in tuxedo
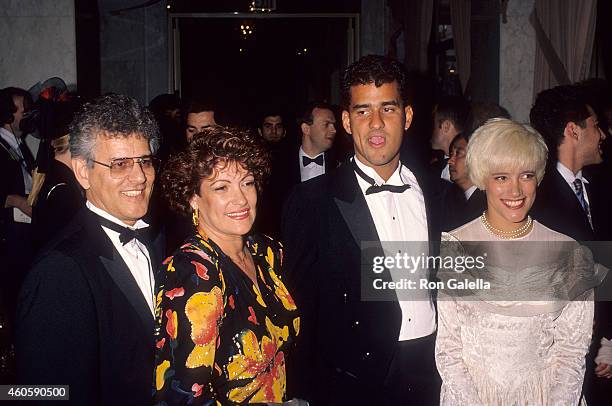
355	351
86	310
293	162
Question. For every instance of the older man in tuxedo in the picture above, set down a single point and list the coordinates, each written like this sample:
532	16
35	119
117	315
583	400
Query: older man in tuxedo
356	351
86	310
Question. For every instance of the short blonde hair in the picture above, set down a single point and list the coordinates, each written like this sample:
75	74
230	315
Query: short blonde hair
502	144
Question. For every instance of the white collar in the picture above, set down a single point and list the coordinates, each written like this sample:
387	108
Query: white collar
568	175
139	224
470	192
302	153
399	177
10	138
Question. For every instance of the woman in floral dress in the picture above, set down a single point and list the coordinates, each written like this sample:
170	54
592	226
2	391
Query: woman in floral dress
225	319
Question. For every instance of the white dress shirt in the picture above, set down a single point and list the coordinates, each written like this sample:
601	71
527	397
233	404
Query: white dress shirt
311	170
468	193
446	171
10	138
569	177
402	217
134	253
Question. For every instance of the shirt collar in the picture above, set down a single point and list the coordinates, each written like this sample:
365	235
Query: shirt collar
470	192
302	153
396	177
139	224
10	138
568	175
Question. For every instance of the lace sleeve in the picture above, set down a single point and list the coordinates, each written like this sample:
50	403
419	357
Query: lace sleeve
458	388
573	329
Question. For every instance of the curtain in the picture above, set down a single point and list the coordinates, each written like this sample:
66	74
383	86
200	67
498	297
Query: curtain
565	31
460	13
415	19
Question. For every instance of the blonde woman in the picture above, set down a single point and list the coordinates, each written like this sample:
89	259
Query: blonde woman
514	344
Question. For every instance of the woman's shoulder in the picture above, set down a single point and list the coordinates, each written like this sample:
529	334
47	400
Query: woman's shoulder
467	231
195	255
265	242
543	233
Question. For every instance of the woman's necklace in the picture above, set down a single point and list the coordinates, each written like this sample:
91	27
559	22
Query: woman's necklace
507	235
243	263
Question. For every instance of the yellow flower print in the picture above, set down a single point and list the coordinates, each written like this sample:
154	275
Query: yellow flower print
160	371
296	325
281	292
204	311
269	384
270	257
258	296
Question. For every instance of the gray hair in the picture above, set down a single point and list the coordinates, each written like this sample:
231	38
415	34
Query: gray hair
112	116
501	144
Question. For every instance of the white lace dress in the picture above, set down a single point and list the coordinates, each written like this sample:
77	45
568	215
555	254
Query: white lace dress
488	358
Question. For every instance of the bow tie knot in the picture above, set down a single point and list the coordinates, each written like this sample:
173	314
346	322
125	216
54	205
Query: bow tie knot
374	188
317	160
127	234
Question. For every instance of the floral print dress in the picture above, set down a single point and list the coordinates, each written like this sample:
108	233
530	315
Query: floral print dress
221	339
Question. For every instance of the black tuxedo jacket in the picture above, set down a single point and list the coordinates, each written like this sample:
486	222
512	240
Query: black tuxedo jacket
292	166
285	176
347	344
82	320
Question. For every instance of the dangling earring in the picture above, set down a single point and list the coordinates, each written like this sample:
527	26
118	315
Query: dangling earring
194	217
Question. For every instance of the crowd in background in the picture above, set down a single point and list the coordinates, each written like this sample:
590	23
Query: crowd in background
43	194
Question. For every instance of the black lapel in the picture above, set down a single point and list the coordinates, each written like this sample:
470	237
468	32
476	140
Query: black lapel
352	205
295	164
331	162
356	214
118	270
433	196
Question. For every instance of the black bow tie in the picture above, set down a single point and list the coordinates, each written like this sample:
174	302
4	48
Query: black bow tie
374	188
127	234
318	160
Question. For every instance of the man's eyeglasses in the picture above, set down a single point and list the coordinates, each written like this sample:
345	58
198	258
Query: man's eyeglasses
121	167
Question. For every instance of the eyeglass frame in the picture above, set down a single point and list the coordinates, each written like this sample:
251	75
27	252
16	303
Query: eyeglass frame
136	159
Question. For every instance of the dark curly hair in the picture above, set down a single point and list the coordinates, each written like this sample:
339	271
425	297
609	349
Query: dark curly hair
375	69
183	174
556	107
114	115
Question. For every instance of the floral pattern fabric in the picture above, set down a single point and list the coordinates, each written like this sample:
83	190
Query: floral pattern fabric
220	338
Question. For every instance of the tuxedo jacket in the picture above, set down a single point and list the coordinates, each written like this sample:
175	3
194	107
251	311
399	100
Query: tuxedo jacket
292	166
347	343
285	176
83	321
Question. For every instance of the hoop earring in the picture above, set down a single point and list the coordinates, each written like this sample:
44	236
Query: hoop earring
194	217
